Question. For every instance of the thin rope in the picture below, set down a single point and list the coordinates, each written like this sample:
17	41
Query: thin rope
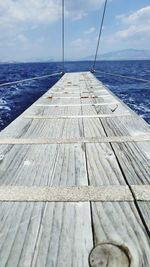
124	76
63	37
100	34
30	79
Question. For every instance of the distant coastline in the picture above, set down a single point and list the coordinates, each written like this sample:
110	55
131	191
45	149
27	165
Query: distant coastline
127	54
120	55
67	61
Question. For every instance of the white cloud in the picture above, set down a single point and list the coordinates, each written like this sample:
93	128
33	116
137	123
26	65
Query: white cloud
43	11
29	11
79	16
89	31
138	24
134	32
22	20
79	48
17	14
140	16
78	9
22	38
136	28
21	23
79	43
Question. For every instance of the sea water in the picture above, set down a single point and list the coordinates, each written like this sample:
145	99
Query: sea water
14	99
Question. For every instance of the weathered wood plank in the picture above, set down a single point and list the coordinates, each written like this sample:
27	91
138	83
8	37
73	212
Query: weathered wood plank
145	208
67	241
36	234
113	223
133	160
119	224
57	234
133	127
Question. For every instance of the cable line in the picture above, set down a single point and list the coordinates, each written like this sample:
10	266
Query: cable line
63	36
100	33
30	79
123	76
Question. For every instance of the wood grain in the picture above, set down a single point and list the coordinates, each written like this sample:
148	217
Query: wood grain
134	162
44	234
64	234
113	223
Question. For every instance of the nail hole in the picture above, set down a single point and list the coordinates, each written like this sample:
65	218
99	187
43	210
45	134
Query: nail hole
2	157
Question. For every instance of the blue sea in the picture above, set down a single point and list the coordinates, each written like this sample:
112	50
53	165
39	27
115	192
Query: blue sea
16	98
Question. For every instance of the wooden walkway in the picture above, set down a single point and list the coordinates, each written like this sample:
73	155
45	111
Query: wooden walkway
75	181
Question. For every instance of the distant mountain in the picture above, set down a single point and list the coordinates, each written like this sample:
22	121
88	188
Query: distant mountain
9	62
127	54
28	61
38	60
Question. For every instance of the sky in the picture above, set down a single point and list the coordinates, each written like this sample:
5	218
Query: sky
30	30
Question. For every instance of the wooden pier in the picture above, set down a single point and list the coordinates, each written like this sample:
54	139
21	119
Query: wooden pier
75	181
